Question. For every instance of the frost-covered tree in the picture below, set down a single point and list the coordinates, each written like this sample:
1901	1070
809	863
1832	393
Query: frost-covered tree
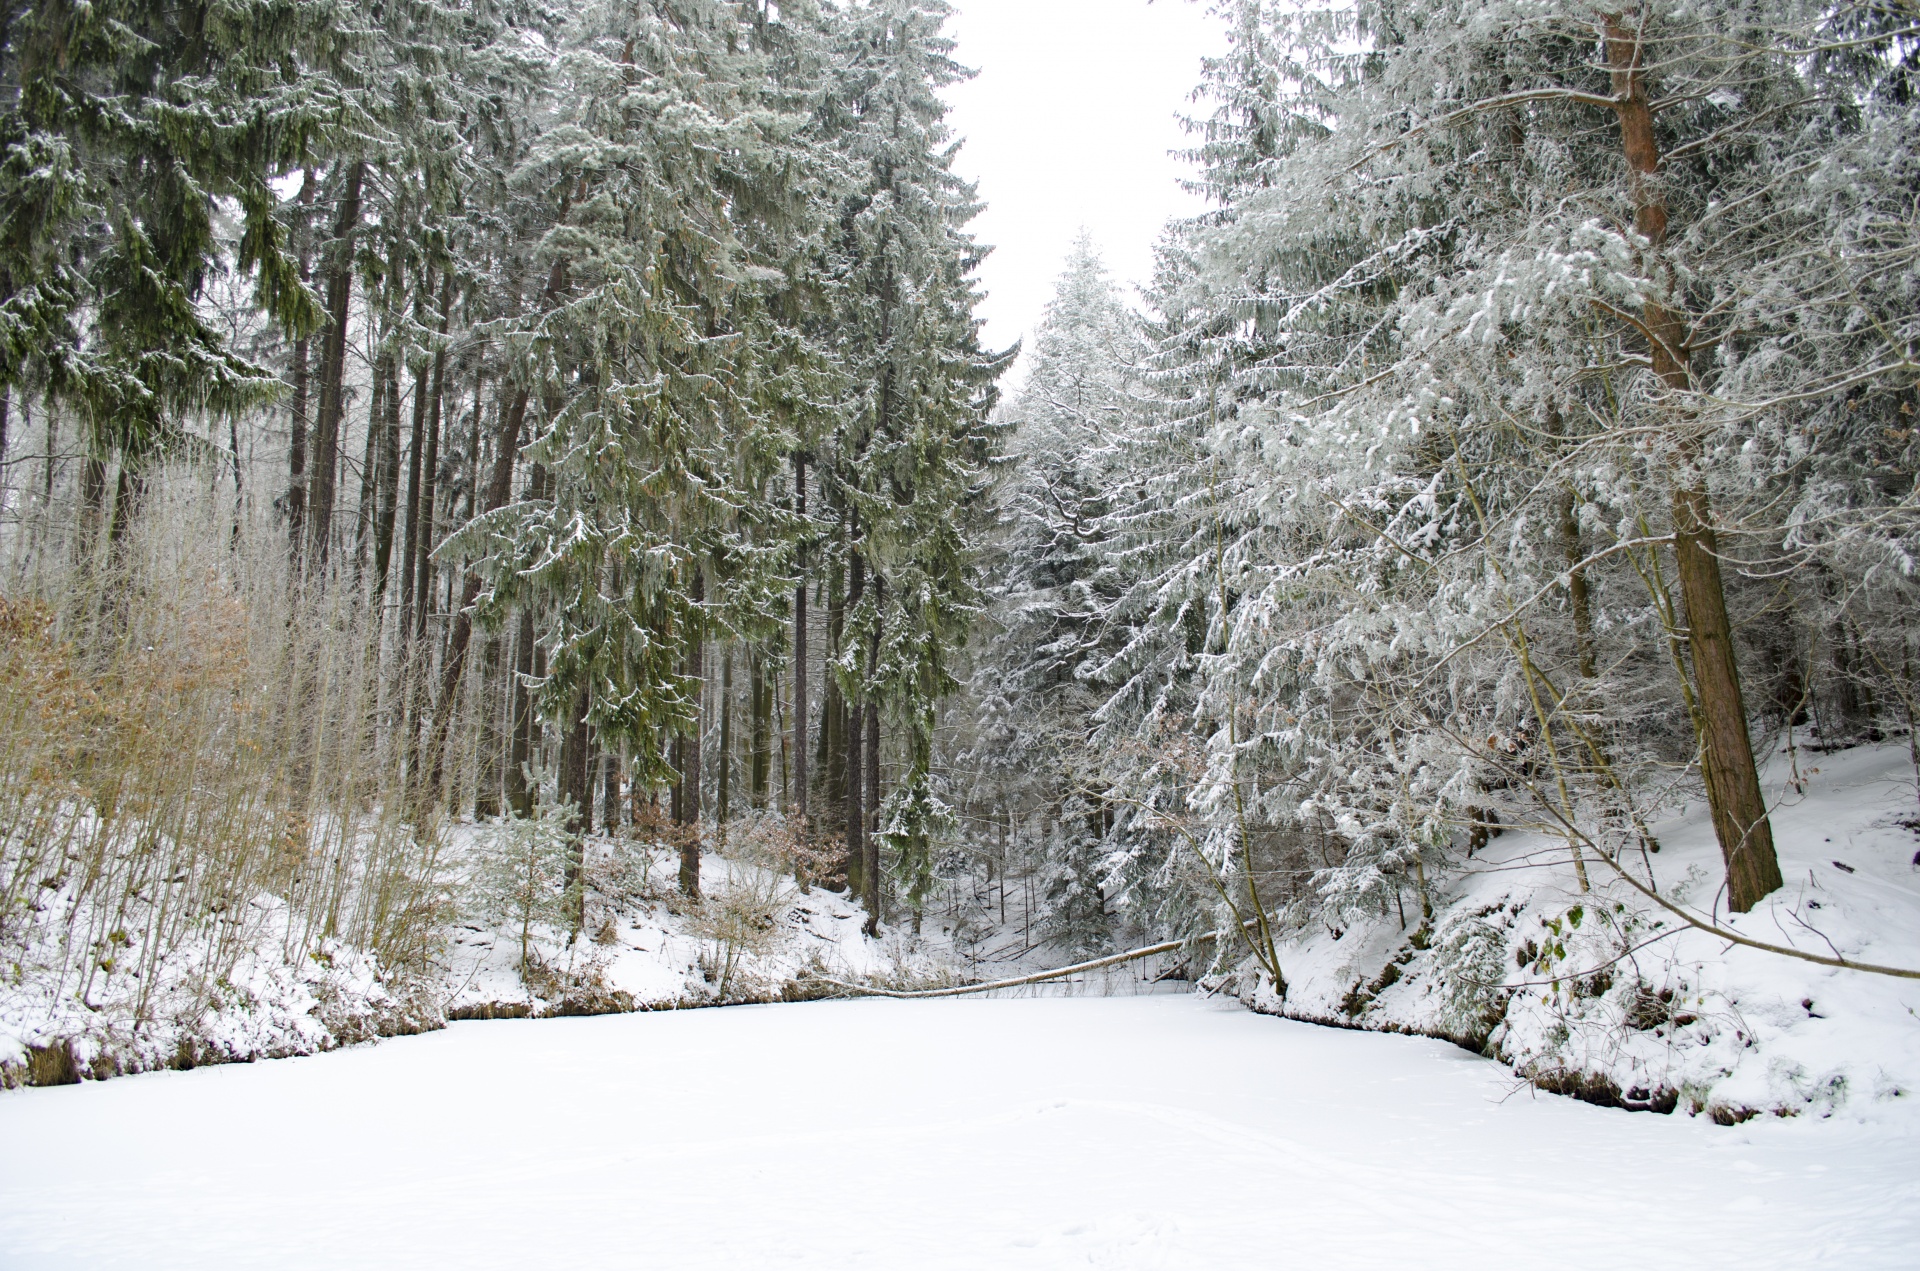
1036	684
1493	399
912	462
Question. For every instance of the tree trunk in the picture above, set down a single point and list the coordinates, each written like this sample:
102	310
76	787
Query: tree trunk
1578	597
389	491
430	469
499	487
410	547
333	374
723	800
364	520
871	837
297	449
522	722
760	736
1733	784
609	791
486	798
689	811
800	652
855	817
574	792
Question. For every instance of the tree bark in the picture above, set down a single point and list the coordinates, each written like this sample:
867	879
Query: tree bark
1578	596
430	469
499	487
609	791
723	795
523	722
389	490
410	547
297	447
689	810
574	792
871	839
1734	796
760	736
856	818
333	374
364	520
800	651
486	798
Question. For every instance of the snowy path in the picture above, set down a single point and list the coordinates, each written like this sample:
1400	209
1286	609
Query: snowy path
1158	1132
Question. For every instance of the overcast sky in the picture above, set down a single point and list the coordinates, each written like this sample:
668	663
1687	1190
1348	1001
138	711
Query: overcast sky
1068	124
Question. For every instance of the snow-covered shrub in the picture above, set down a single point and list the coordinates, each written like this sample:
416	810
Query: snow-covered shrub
1470	962
740	920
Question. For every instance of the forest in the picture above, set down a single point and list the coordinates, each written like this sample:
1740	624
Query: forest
456	451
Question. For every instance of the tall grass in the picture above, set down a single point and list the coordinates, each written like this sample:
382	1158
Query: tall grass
198	761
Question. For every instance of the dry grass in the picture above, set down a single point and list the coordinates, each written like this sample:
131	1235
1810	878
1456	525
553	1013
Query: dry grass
185	730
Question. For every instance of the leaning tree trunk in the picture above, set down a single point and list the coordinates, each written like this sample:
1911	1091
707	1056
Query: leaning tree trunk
1734	796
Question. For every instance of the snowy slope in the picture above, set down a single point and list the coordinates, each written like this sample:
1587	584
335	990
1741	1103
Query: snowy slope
1605	996
758	937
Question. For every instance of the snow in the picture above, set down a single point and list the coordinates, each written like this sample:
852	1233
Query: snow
1746	1031
649	951
1144	1132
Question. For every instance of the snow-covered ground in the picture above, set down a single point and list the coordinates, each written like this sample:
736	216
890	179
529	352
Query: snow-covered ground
1145	1132
1607	993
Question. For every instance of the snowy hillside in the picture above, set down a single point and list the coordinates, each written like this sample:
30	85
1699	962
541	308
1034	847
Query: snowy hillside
237	994
1600	997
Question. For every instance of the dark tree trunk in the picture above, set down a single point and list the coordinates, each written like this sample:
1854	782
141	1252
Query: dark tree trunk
297	448
364	520
832	742
389	490
486	798
93	500
871	837
499	487
522	722
723	795
855	758
760	734
1733	784
689	809
609	791
800	652
870	841
1578	596
410	545
333	374
430	471
576	791
129	490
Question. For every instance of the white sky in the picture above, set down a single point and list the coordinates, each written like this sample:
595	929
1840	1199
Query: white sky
1069	124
